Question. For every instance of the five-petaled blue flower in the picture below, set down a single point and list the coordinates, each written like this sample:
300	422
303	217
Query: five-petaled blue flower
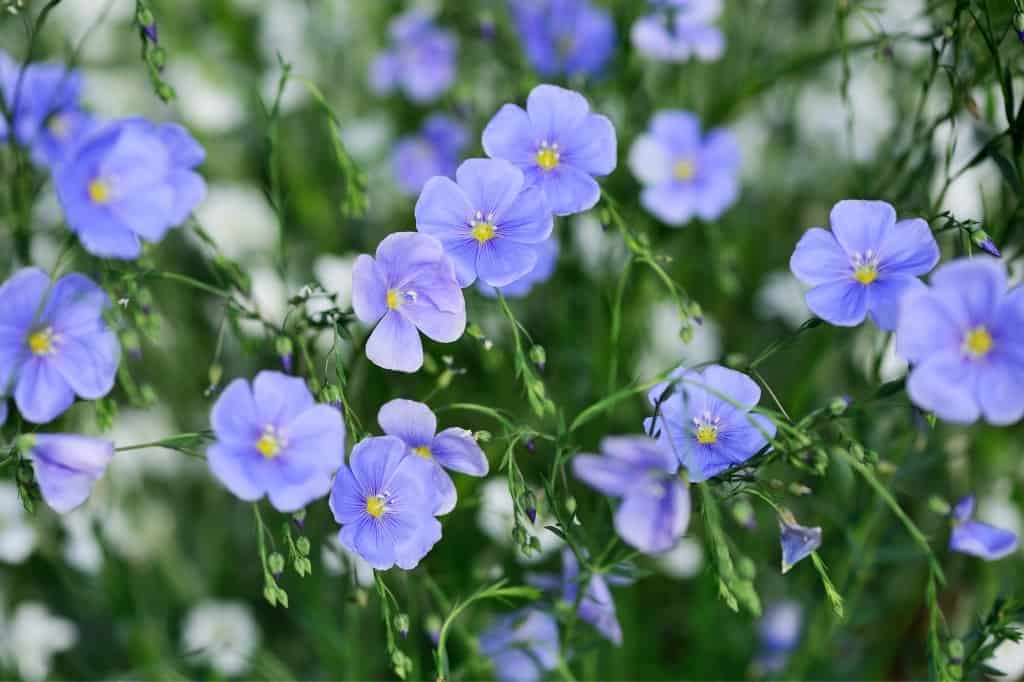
421	61
797	541
596	606
557	143
409	286
273	439
130	180
434	151
522	645
684	173
964	338
385	500
677	30
454	448
66	467
976	538
547	259
564	37
487	219
655	509
704	418
54	343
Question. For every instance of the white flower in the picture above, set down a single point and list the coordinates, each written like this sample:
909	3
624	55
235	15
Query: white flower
1008	658
665	348
207	104
867	345
139	533
239	218
600	251
496	519
32	637
782	295
684	560
81	549
134	427
338	561
221	634
335	275
17	535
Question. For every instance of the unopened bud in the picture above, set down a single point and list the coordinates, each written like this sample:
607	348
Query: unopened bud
985	243
275	562
302	544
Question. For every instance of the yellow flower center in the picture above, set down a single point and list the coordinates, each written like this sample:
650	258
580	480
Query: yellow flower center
547	156
978	342
375	506
423	451
706	434
865	274
58	126
394	298
99	191
483	231
41	342
684	169
269	445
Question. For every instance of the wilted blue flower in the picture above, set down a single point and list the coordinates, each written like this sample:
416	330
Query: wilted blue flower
797	541
977	538
522	645
273	439
564	37
384	500
547	259
964	336
421	61
487	220
454	448
679	29
684	173
596	606
435	151
778	631
410	286
54	343
655	509
131	179
557	143
865	265
704	417
67	466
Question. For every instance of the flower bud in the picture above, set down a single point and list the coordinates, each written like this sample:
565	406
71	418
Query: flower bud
275	562
985	243
302	544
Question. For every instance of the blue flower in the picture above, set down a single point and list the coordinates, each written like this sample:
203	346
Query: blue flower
797	541
547	259
655	509
778	631
66	467
273	439
131	179
421	61
964	336
704	418
596	606
410	286
487	220
54	343
435	151
454	448
977	538
684	173
679	29
865	265
522	645
564	37
557	143
3	410
385	501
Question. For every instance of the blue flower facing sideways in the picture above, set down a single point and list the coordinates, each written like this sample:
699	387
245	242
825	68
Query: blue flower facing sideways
797	541
522	645
67	466
54	343
865	265
564	37
557	143
976	538
488	221
434	151
596	606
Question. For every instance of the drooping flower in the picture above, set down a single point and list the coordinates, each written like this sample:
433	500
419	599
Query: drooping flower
797	541
67	466
684	173
522	645
547	259
434	151
655	509
704	418
54	343
564	37
677	30
409	286
453	448
487	220
778	632
964	337
596	606
384	500
130	180
273	439
557	143
221	634
865	265
421	61
976	538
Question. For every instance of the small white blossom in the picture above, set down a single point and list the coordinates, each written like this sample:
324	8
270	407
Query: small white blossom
17	535
221	634
32	637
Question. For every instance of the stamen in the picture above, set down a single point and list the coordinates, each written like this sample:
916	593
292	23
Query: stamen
375	506
269	444
684	169
865	266
423	451
548	155
978	342
41	342
99	191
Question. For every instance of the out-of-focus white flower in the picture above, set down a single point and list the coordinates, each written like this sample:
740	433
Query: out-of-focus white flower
867	345
600	251
81	548
335	275
207	104
98	20
368	138
17	535
338	561
1008	658
968	194
32	637
782	295
239	218
496	519
221	634
140	532
119	91
666	349
133	427
684	560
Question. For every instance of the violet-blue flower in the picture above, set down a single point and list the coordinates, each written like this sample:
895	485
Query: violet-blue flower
655	509
384	500
564	37
130	180
420	62
522	645
976	538
547	259
865	265
685	173
453	448
67	466
487	219
964	338
434	151
677	30
596	606
273	439
557	143
778	632
704	418
409	286
797	541
54	343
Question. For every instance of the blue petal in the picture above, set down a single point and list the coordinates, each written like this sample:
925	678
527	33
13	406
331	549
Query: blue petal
490	185
909	247
456	449
885	297
67	466
982	540
944	383
42	394
860	226
843	303
395	344
653	516
797	542
409	420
